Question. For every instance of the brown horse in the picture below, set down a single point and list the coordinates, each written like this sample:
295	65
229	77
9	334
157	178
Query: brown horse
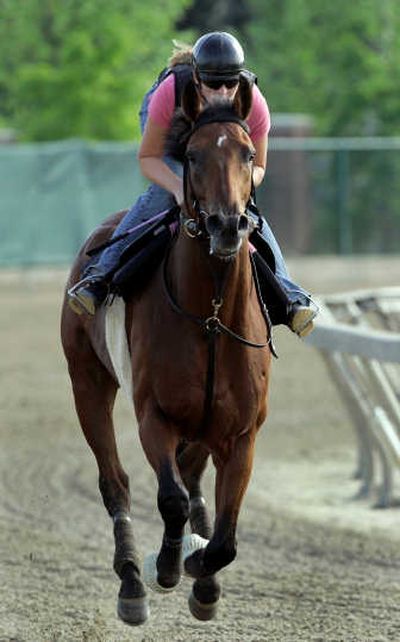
198	361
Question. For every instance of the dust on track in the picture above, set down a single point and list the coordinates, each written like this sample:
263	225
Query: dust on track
313	564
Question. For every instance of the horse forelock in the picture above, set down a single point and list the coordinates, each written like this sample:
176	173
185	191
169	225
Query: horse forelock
220	111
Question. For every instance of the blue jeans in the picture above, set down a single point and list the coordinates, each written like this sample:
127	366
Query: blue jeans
156	199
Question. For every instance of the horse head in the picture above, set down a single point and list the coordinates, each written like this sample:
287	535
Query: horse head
218	166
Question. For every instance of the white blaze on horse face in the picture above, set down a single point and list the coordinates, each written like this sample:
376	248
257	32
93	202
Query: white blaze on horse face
221	140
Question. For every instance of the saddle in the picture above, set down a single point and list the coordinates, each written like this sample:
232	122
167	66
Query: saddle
146	250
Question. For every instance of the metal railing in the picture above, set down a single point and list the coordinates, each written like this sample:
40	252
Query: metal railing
358	336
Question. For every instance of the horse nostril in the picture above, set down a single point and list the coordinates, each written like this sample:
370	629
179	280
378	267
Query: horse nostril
214	223
243	223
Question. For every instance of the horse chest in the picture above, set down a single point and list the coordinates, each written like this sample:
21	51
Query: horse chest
238	391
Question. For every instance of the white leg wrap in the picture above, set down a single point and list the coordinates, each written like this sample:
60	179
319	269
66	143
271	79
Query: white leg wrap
190	544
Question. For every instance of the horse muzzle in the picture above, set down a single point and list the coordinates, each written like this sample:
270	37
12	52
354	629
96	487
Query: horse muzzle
226	233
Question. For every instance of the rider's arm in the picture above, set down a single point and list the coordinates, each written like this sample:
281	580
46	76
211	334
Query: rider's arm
259	121
260	161
160	112
151	162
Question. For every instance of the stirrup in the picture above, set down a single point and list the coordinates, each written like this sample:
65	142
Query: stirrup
80	303
302	320
79	306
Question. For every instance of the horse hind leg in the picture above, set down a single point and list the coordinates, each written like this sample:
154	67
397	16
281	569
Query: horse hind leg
94	392
192	461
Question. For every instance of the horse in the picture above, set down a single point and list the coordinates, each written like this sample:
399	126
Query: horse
197	352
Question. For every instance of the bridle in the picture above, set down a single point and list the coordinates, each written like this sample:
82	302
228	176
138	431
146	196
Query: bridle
195	227
212	325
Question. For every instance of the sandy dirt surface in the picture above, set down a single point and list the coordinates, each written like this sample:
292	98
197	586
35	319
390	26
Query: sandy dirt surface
313	564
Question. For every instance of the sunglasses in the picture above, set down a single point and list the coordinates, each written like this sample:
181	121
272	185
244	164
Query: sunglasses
217	84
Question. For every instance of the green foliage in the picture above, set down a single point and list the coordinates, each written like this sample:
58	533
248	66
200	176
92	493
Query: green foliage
79	68
214	15
337	61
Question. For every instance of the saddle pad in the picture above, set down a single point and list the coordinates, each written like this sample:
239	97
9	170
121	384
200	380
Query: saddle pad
117	345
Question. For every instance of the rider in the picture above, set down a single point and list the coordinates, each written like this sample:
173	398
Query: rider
215	64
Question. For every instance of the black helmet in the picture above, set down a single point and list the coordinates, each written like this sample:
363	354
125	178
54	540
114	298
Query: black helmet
218	55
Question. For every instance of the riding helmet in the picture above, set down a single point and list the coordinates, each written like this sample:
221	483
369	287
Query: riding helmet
217	55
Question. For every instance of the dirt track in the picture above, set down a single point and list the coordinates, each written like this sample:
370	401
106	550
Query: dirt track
313	564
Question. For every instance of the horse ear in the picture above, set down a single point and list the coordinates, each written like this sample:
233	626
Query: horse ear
243	98
190	101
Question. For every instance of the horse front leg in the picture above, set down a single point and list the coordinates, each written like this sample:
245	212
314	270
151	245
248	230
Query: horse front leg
233	474
159	438
192	461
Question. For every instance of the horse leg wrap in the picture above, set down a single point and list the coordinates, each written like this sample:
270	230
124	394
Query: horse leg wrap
203	563
203	600
132	604
189	544
125	549
169	564
163	572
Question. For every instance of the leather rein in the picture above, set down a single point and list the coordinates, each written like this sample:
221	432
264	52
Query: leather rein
212	325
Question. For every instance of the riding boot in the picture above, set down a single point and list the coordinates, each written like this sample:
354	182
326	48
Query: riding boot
301	319
295	314
88	293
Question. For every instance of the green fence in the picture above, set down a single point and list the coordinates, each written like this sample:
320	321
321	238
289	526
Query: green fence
320	195
350	188
54	194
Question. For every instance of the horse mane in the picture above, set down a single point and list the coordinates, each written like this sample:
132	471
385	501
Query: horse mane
181	54
222	110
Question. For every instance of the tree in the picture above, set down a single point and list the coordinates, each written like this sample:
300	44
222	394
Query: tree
79	68
338	61
213	15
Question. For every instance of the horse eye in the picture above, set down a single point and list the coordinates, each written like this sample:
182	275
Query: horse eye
248	155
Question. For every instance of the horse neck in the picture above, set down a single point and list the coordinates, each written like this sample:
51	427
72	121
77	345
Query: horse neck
194	275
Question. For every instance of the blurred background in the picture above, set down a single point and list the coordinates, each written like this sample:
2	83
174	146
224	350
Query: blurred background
73	75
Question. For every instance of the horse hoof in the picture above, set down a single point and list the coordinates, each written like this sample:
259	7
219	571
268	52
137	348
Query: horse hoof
150	575
191	544
202	611
133	610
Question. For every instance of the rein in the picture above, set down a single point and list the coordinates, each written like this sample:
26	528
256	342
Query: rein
213	327
213	324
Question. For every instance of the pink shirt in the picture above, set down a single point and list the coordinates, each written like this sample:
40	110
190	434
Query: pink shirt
162	107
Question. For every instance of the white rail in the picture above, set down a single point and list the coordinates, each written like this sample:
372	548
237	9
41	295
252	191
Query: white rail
358	334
